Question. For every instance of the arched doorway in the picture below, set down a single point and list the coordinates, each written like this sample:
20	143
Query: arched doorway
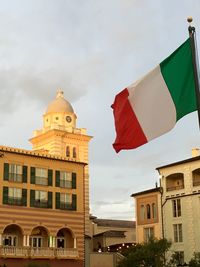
39	237
12	236
64	238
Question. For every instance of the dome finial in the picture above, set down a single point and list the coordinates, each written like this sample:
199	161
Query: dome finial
60	93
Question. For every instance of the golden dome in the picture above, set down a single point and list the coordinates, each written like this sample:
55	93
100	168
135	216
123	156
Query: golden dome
59	104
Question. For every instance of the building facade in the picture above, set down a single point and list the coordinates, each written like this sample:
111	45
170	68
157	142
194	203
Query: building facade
41	209
180	182
148	214
60	137
44	199
111	235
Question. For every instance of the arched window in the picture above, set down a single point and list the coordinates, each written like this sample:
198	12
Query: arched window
74	152
67	151
142	212
154	211
148	211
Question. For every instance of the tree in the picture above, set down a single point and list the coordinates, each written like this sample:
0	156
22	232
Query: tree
195	261
146	254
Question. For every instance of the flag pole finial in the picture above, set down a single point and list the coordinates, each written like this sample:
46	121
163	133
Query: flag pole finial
191	28
189	20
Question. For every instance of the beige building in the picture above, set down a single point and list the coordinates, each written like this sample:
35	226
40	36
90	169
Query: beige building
41	209
180	182
148	214
111	235
60	137
44	201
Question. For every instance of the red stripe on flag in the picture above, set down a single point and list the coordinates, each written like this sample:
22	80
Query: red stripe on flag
129	133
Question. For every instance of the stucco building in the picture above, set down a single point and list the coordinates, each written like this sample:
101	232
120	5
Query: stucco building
111	235
44	196
180	182
148	214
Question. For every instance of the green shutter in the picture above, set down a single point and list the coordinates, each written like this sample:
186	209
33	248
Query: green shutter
24	174
32	198
73	180
24	197
50	176
5	195
50	200
32	175
6	172
74	200
57	200
57	178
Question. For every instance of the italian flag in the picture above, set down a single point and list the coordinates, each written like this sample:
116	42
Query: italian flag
152	105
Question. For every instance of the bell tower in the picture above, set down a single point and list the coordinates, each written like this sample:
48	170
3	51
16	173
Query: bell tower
59	136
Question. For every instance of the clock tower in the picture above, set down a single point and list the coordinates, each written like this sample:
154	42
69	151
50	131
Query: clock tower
59	136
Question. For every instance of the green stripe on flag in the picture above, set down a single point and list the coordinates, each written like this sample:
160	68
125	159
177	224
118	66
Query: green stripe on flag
177	71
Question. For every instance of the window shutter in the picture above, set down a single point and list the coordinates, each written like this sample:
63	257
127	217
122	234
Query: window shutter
5	195
6	171
57	178
32	175
73	180
50	200
50	176
57	200
74	200
32	198
24	197
24	174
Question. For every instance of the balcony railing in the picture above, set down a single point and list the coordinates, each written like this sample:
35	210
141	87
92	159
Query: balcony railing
172	188
38	252
15	177
10	251
40	203
15	201
65	183
66	253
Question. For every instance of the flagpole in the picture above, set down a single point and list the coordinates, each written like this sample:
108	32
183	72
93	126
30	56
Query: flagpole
192	35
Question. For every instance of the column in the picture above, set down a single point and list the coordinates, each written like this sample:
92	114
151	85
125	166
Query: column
54	242
74	242
24	241
0	239
27	241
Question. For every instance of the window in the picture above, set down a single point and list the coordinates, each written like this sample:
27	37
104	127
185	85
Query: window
15	173
154	211
178	235
67	151
176	207
65	179
41	198
41	176
148	233
179	256
36	241
148	211
65	200
142	212
74	152
14	196
10	240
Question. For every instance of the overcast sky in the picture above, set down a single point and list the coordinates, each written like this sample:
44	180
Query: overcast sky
93	49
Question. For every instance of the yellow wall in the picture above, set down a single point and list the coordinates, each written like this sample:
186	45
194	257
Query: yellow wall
52	219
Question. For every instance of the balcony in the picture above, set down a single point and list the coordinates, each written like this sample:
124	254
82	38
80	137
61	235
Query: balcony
175	182
178	187
62	253
38	252
15	201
